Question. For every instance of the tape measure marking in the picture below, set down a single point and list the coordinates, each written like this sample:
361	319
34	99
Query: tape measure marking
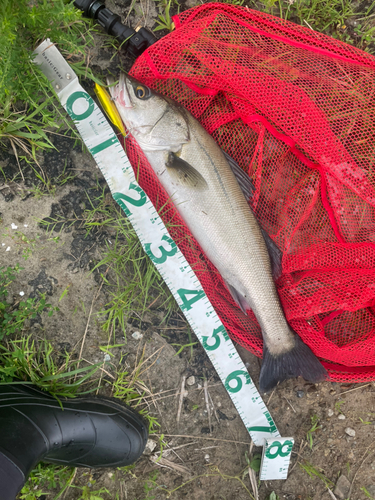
173	267
275	458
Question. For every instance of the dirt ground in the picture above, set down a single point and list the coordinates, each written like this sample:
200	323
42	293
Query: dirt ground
205	455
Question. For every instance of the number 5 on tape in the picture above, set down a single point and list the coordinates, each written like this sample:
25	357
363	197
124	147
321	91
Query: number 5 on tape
276	458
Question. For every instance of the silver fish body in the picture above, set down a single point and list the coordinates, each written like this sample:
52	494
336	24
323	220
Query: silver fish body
196	175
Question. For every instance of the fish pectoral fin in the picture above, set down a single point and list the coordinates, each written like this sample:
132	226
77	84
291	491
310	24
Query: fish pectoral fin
184	173
239	299
299	361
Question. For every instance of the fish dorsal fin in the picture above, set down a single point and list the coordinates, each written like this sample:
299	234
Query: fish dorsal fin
275	254
184	173
248	189
243	179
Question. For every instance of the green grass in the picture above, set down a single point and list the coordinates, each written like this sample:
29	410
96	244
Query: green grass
321	15
214	471
46	477
164	21
314	427
13	318
23	25
26	359
88	493
233	2
132	281
29	360
366	493
131	389
36	362
273	496
329	17
314	471
27	110
338	405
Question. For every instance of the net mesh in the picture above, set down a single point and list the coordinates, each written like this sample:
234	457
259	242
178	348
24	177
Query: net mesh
296	110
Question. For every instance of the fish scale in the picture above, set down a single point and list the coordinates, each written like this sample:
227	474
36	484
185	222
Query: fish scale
175	270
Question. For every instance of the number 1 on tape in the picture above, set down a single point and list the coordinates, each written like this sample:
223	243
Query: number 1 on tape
168	259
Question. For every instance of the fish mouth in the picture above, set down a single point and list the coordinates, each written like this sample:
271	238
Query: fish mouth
120	92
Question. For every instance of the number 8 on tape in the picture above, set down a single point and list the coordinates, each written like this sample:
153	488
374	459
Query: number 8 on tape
276	458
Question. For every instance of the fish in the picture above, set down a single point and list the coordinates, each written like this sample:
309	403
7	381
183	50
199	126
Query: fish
200	182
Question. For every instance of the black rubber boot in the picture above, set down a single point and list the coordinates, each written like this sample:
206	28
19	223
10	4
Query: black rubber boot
88	432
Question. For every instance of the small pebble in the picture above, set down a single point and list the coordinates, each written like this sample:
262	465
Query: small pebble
207	457
329	441
341	417
137	335
350	432
22	294
13	226
342	488
190	380
7	250
150	446
107	357
300	394
330	412
199	386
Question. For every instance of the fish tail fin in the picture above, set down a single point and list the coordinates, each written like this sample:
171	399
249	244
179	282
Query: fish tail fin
299	361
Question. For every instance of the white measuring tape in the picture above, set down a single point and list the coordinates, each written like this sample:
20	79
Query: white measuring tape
109	155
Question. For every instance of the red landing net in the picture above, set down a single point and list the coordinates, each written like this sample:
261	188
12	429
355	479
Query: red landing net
296	110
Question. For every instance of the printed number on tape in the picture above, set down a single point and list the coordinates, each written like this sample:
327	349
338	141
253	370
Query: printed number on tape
168	259
276	458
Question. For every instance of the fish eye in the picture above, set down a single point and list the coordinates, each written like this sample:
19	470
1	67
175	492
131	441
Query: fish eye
141	92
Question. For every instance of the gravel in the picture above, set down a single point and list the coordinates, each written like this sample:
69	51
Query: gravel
350	432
